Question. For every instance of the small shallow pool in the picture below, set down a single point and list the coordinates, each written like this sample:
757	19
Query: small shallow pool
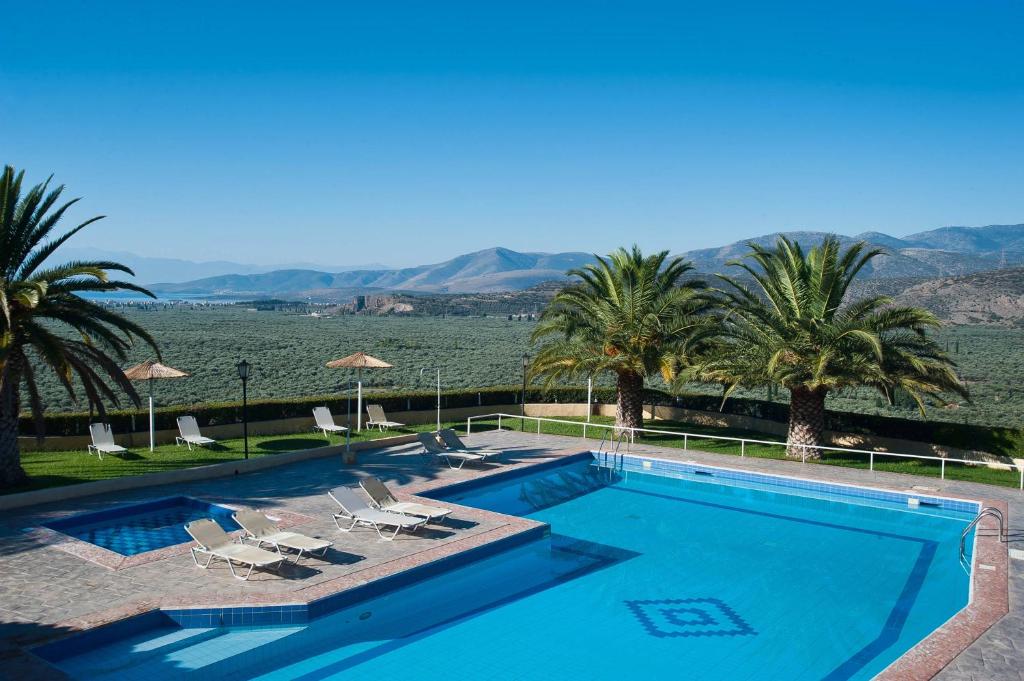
643	576
137	528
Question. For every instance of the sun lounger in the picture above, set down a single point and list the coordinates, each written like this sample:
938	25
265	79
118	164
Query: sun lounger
358	512
377	418
103	440
261	529
190	434
431	447
382	497
325	422
216	543
453	442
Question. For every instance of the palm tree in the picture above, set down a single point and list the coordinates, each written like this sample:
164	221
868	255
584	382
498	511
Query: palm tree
628	315
793	326
45	324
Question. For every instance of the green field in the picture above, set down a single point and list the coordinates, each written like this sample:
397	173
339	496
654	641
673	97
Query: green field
289	352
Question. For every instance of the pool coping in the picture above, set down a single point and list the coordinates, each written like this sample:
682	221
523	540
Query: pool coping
112	560
988	601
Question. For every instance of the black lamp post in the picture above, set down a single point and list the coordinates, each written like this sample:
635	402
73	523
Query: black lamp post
522	403
243	373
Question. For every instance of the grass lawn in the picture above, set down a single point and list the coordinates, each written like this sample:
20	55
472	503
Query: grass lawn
50	469
954	471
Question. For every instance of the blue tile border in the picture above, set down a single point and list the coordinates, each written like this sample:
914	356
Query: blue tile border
635	463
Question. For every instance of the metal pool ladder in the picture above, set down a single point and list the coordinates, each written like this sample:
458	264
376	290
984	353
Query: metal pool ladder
987	511
609	436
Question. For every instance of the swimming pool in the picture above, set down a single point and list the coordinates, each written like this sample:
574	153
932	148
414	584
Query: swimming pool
136	528
642	575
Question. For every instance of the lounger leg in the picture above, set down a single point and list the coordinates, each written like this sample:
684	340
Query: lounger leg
448	459
196	560
355	521
393	534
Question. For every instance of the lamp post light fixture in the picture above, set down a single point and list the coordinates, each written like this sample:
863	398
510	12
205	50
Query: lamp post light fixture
522	402
438	370
244	370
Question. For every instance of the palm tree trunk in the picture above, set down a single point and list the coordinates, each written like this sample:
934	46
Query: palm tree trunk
806	423
11	472
629	400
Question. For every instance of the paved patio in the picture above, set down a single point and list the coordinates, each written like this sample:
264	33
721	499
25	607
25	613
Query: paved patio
47	591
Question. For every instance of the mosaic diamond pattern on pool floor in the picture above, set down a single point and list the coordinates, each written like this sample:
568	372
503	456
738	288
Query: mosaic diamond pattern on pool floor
675	617
136	534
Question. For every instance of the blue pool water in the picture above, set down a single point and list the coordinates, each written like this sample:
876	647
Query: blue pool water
642	576
137	528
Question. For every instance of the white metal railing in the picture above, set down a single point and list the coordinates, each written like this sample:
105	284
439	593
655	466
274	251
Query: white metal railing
743	441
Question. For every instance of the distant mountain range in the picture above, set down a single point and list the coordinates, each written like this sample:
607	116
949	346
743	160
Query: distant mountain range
493	269
150	269
945	252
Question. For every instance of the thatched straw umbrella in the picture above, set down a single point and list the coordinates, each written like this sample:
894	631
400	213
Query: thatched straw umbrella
150	371
359	361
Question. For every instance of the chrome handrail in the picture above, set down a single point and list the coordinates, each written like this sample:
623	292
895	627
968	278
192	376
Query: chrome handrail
987	511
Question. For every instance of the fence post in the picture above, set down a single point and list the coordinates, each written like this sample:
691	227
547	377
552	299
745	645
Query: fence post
584	430
942	470
469	425
499	421
743	448
803	453
685	436
871	461
538	426
1022	477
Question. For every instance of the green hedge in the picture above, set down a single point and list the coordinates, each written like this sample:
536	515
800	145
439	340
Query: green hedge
1006	441
219	413
997	440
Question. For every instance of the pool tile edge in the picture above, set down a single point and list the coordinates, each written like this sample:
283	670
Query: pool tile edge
989	603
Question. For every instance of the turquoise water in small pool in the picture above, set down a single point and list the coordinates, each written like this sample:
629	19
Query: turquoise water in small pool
642	576
136	528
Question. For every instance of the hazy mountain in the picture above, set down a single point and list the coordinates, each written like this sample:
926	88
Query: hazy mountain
945	252
148	269
494	269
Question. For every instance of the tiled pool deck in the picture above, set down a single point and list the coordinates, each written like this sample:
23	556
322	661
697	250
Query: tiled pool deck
49	588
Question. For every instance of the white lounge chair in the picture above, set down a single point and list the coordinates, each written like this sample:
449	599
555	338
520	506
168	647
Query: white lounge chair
377	418
216	543
325	422
359	512
382	497
454	443
431	447
103	440
190	435
261	529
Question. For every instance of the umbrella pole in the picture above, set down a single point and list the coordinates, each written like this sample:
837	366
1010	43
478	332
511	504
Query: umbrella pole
359	401
151	424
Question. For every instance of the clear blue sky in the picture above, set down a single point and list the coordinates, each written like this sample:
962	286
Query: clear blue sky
407	132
